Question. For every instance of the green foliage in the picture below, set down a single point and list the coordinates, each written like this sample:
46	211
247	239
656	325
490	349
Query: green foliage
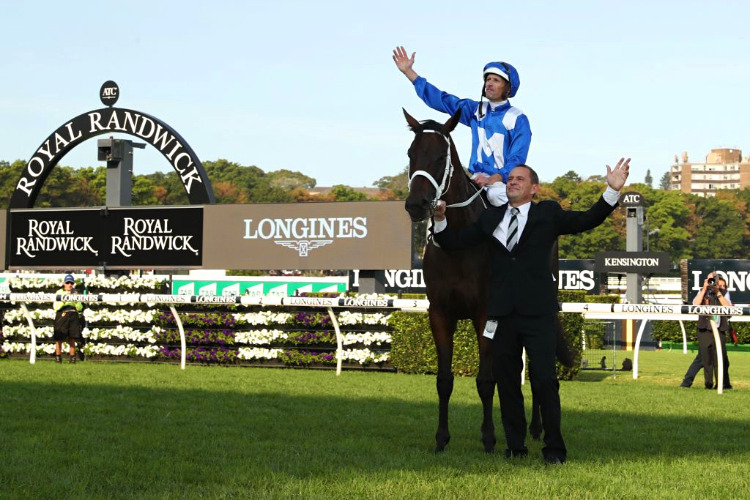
670	331
398	184
664	181
413	349
720	233
649	181
686	226
344	193
289	181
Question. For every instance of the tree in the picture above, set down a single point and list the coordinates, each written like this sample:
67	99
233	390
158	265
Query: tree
398	184
664	182
717	230
667	217
289	181
649	181
340	192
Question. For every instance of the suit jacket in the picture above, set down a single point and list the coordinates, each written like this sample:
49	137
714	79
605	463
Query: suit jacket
522	280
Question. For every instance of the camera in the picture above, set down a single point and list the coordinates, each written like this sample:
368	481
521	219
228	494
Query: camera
711	282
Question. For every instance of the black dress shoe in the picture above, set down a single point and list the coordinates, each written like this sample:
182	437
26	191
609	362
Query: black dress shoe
552	460
522	453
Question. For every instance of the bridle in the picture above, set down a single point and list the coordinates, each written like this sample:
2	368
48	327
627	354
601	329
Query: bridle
442	188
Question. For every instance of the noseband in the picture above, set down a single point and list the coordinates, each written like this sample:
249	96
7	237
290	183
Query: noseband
442	188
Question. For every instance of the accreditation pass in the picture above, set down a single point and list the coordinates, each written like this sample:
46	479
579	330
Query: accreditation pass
489	328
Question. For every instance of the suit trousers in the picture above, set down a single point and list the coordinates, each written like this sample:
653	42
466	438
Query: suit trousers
537	335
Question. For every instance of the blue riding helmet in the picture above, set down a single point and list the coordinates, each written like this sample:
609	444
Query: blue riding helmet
506	71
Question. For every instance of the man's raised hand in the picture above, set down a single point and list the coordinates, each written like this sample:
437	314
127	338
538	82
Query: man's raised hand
616	177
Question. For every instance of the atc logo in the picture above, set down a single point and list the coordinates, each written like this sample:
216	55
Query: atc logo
109	93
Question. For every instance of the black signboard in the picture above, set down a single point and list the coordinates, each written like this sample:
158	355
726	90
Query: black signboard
47	238
574	274
143	237
633	262
578	274
117	238
736	272
631	199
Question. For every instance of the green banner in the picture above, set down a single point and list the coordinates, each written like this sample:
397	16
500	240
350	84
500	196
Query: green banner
257	287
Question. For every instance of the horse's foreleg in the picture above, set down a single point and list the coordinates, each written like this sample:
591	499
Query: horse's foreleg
486	391
442	333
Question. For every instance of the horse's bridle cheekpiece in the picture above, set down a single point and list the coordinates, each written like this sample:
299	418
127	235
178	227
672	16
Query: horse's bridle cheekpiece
442	188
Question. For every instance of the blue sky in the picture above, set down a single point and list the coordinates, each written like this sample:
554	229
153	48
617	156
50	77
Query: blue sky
311	86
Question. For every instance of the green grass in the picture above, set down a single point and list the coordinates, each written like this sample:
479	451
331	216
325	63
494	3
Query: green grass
115	430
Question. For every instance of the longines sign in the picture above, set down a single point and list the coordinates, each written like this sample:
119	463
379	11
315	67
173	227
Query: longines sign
352	235
574	274
117	238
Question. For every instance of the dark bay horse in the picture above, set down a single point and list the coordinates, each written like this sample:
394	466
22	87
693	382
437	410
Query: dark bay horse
457	282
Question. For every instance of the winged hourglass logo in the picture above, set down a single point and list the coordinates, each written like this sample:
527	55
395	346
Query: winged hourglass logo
303	246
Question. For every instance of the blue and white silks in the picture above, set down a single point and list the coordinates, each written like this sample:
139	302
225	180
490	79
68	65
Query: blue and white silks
500	138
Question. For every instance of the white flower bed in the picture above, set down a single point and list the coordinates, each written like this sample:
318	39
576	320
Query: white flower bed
358	318
363	356
122	316
131	315
263	318
20	284
249	353
25	331
259	337
367	338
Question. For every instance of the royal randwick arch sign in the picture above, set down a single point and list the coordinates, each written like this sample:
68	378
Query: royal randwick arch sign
113	120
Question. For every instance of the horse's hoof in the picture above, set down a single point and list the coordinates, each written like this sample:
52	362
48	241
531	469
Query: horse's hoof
536	436
489	443
441	443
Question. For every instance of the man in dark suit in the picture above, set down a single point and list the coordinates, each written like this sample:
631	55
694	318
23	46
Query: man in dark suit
523	294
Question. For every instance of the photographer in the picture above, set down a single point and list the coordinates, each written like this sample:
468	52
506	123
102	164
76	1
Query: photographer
714	292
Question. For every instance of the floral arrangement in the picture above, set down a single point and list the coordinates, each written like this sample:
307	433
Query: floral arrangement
216	334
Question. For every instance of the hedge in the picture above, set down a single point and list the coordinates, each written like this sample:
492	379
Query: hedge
413	350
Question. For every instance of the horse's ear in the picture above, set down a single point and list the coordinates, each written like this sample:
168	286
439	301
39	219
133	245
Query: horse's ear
452	122
413	123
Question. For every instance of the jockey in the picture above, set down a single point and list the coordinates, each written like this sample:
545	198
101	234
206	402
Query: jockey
500	132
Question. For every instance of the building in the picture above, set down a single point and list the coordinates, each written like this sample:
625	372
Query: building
723	169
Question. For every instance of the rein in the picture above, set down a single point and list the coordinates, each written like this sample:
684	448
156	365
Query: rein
444	185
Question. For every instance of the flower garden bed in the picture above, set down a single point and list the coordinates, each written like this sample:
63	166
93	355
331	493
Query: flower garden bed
216	334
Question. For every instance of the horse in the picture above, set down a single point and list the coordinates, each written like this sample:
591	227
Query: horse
457	282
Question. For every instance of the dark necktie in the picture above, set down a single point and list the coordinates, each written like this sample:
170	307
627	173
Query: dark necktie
512	230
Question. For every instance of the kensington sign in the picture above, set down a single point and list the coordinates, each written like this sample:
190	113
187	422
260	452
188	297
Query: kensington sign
633	262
